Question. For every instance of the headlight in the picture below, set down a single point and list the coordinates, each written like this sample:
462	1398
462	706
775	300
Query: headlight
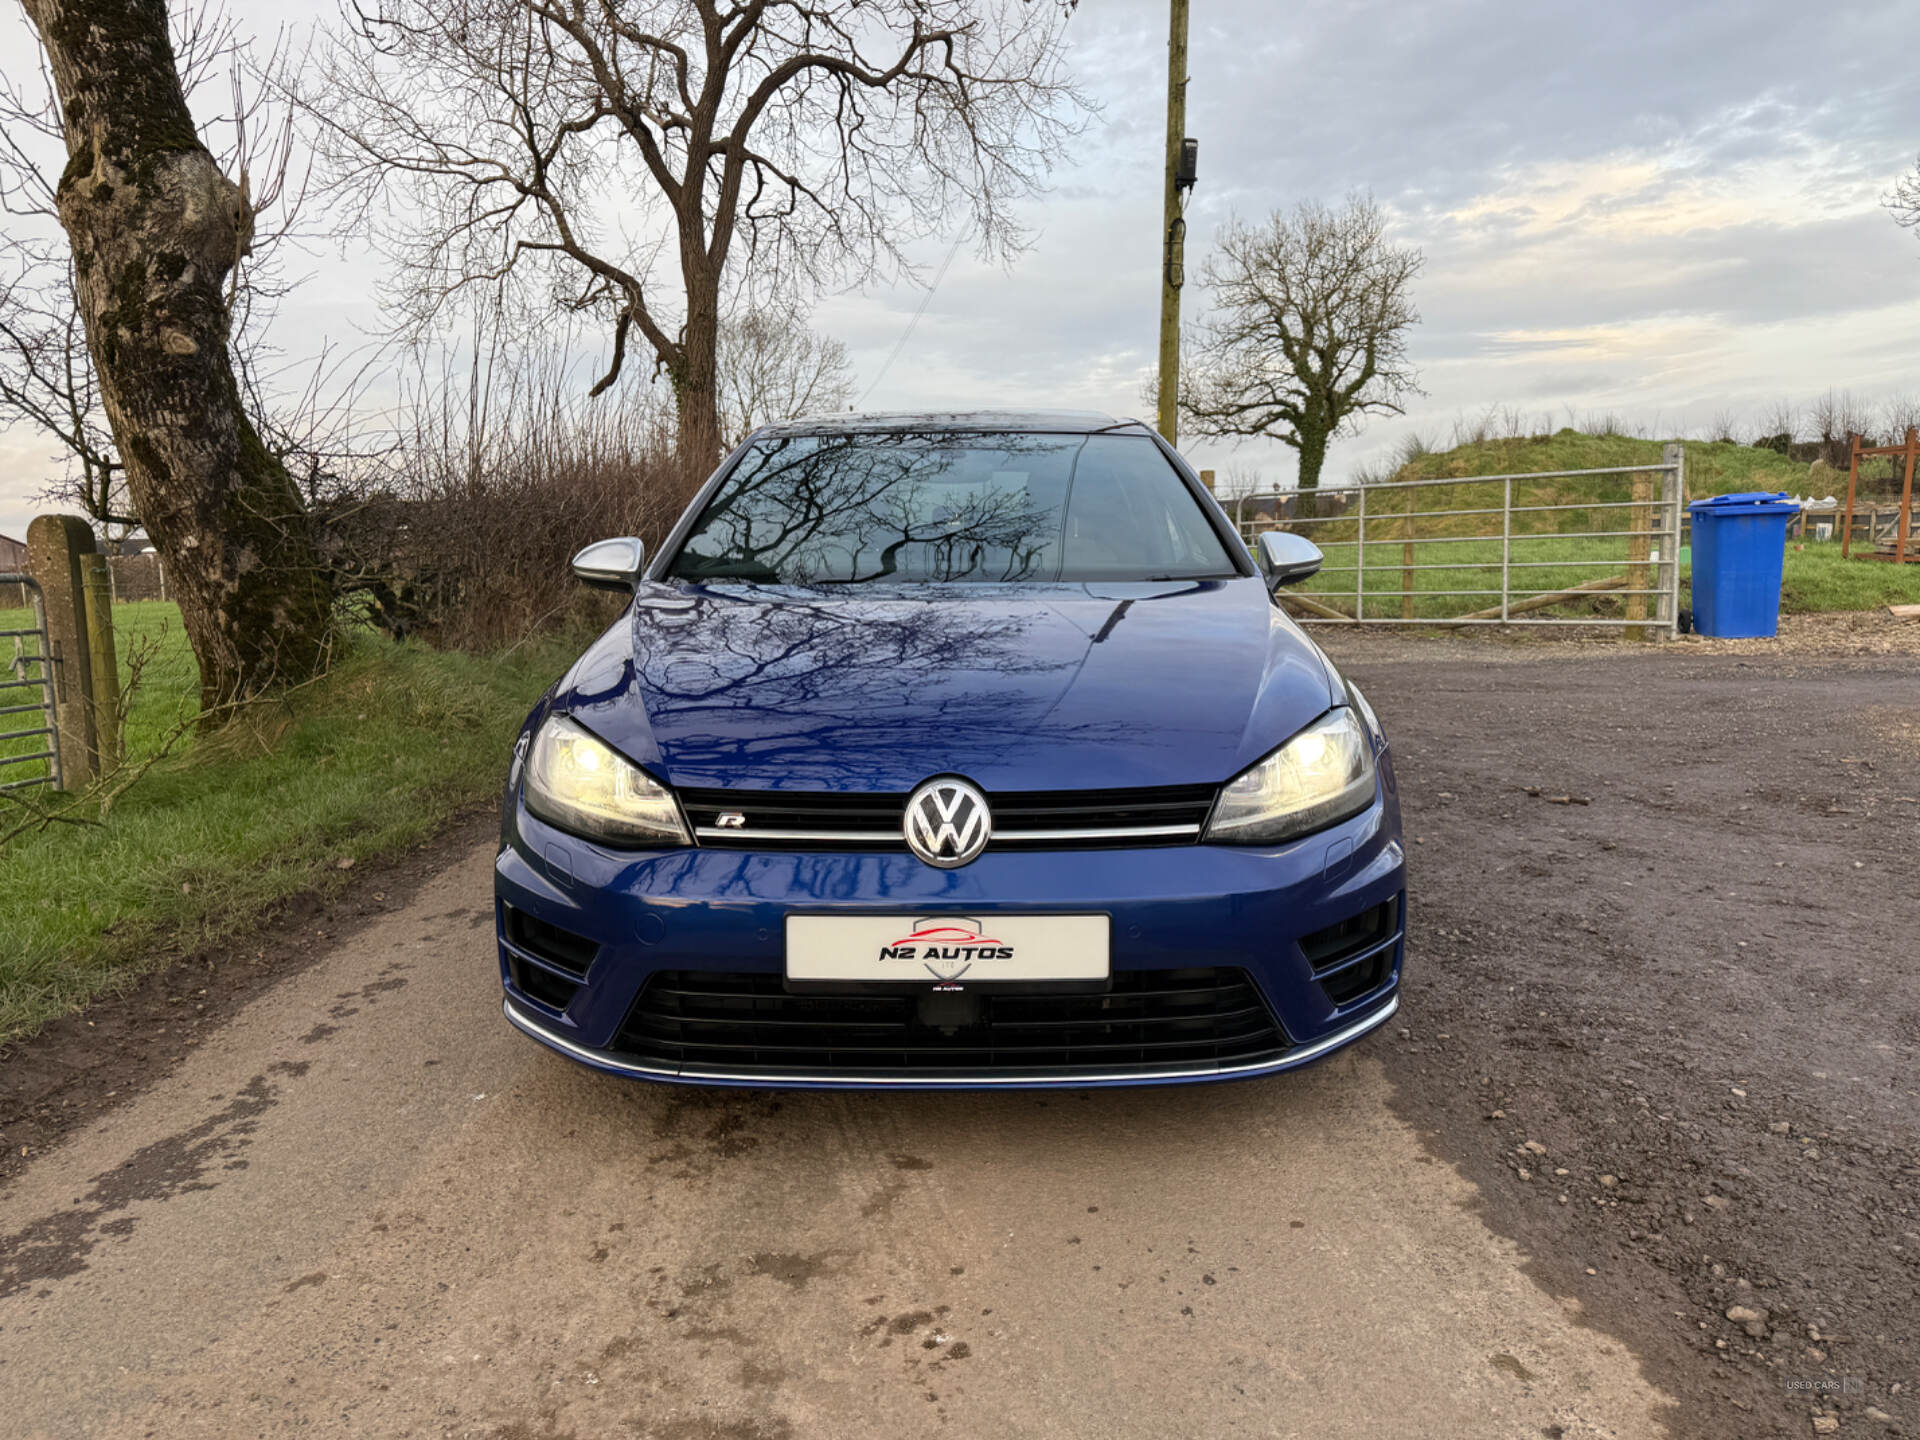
1323	775
1359	702
580	784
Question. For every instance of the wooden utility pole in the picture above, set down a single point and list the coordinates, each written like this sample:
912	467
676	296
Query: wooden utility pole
1173	238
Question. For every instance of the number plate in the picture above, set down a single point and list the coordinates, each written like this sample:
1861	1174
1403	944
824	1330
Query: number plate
936	948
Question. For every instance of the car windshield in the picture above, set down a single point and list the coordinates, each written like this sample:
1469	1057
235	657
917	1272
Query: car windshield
951	507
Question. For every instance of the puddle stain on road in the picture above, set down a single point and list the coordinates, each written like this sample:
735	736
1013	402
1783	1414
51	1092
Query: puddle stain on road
57	1246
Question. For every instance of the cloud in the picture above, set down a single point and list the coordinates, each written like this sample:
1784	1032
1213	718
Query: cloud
1640	206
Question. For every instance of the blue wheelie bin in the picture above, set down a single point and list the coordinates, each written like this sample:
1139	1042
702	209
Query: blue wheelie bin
1739	547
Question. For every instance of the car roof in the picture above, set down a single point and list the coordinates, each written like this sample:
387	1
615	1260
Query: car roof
1037	422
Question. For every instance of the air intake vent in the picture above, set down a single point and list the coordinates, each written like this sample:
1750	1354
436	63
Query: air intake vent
1356	956
562	949
541	984
546	962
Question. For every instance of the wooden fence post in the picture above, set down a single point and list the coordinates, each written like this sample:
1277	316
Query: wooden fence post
105	666
1906	499
1639	545
1853	479
57	547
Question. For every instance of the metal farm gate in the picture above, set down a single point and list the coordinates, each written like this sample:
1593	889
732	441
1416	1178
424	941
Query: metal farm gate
1491	549
27	684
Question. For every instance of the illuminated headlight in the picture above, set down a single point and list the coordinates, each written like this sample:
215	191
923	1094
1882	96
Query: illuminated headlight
1320	777
580	784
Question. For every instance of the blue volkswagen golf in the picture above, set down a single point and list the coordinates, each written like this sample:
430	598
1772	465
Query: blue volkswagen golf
951	751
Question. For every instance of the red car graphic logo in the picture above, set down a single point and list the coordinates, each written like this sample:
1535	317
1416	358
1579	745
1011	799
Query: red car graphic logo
947	945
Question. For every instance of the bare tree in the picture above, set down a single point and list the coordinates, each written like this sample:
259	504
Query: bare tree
1903	201
1308	330
155	229
1898	414
1837	417
649	160
46	374
773	367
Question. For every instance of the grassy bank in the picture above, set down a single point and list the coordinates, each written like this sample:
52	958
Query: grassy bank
1713	468
371	758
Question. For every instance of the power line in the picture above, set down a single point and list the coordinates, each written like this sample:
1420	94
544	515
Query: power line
914	323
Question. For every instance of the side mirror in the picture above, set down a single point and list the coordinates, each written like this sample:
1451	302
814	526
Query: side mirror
611	564
1287	559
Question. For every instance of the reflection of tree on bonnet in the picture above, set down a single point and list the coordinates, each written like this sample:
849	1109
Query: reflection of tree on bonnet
844	509
843	596
729	654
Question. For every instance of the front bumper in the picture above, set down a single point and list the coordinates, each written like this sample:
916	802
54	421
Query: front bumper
1012	1079
702	910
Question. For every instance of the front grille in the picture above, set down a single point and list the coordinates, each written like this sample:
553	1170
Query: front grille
1150	1022
1354	957
1054	819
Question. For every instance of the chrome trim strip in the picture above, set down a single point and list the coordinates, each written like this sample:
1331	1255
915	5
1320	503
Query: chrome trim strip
859	837
1116	832
894	837
1300	1055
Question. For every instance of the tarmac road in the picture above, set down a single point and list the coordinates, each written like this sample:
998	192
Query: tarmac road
367	1207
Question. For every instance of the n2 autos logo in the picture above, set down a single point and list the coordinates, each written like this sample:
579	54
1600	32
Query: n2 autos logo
947	945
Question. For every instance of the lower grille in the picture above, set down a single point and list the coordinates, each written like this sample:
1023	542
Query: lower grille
1355	957
1150	1022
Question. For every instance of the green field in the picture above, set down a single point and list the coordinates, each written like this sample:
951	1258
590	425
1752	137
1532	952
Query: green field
372	758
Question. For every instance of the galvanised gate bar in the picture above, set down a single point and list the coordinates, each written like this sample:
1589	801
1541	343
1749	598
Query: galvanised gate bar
27	695
1498	557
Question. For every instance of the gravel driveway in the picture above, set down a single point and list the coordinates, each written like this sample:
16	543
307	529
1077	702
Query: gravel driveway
1656	1068
1665	1008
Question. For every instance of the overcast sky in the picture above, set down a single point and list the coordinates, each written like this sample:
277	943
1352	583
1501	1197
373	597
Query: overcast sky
1653	208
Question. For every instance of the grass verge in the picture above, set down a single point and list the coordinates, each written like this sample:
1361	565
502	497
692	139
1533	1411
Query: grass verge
1817	579
372	758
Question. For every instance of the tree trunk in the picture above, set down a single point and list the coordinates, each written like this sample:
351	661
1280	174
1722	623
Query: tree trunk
696	369
155	230
1313	458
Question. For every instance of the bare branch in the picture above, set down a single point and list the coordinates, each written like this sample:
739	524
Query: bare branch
770	147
